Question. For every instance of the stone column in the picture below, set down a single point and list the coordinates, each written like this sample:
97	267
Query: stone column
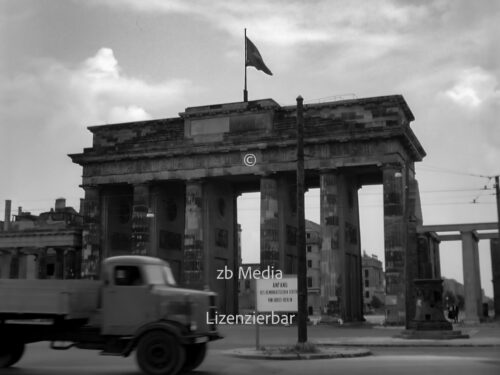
331	254
140	227
5	257
236	252
413	267
70	271
477	274
352	239
495	271
427	259
423	261
14	264
269	225
436	257
107	213
218	239
91	234
152	222
22	263
395	243
472	281
31	265
287	223
194	260
42	263
59	266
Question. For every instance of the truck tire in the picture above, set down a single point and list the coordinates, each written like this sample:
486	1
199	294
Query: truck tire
160	353
195	354
10	353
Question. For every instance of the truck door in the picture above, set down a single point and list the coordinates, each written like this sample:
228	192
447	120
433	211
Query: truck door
126	301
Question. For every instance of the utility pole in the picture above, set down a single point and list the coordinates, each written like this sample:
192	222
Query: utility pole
497	189
301	228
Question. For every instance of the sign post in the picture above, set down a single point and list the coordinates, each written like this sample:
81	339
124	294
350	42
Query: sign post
275	295
257	334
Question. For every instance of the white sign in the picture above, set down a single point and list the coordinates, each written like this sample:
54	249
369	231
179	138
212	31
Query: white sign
277	294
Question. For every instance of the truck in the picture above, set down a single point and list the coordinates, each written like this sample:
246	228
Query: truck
136	305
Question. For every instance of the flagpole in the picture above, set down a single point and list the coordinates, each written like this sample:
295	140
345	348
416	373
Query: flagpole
245	92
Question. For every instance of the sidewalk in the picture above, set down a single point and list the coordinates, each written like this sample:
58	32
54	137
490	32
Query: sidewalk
276	354
481	335
360	335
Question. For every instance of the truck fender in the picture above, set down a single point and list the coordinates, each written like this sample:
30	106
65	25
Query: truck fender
171	327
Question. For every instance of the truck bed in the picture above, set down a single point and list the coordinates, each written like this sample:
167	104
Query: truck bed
71	299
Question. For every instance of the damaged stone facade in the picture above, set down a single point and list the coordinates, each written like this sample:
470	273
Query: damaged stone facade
168	188
45	246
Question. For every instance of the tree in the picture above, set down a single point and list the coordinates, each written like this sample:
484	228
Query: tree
449	298
376	303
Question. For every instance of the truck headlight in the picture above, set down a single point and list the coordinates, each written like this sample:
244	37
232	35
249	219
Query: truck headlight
193	326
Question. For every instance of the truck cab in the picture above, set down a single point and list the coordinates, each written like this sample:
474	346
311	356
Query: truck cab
145	290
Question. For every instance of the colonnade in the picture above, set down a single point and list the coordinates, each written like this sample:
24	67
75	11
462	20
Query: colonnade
469	237
193	224
40	263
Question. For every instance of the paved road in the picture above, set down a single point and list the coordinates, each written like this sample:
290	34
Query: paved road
40	360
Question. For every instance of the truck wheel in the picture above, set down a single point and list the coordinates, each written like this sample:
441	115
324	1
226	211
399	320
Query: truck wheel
159	353
10	353
195	354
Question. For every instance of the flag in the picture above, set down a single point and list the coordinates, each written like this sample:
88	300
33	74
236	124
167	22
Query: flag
254	58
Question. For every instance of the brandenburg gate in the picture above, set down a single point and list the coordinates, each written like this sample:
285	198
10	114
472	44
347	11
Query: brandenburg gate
169	188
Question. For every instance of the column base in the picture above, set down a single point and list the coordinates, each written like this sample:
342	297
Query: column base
471	321
442	325
412	334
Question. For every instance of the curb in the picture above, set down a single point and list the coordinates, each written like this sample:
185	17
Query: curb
328	353
408	343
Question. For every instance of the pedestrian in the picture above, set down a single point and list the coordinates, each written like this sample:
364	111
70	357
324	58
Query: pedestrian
451	311
455	314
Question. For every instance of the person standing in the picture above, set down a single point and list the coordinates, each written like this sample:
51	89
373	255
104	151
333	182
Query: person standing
451	311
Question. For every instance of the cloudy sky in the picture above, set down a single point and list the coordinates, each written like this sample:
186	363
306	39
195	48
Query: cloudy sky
66	65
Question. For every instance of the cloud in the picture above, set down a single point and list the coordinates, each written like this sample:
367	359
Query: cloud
130	113
290	22
326	36
474	87
472	102
102	65
96	91
115	95
45	111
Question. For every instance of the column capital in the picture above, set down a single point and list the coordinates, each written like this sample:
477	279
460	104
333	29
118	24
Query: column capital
268	174
90	187
194	181
329	171
142	184
473	234
434	237
393	166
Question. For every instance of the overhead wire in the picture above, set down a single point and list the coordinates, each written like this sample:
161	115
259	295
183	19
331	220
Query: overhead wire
430	168
452	171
